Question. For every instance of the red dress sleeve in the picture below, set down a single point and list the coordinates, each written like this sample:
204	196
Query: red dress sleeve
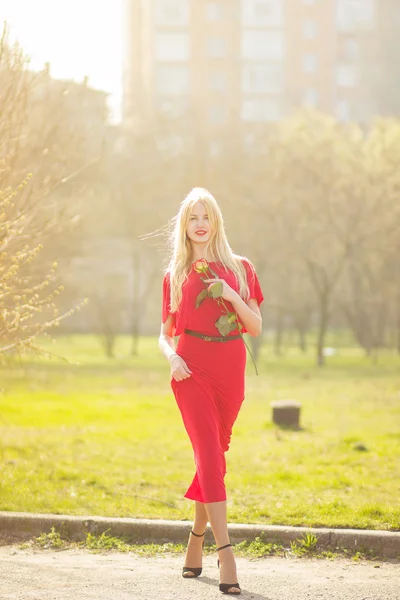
166	297
253	282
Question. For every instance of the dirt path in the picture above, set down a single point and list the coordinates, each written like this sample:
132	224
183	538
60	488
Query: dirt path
78	575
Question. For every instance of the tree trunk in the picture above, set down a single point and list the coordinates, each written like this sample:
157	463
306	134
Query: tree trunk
360	325
135	334
302	338
109	344
143	277
278	332
135	330
398	316
398	332
323	326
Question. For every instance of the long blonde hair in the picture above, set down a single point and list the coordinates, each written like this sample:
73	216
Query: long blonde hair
217	248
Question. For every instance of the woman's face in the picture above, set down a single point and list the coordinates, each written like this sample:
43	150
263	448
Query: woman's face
199	228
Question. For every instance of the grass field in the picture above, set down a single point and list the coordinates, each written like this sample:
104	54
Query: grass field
105	438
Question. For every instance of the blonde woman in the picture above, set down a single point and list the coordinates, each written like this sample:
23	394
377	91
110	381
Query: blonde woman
210	297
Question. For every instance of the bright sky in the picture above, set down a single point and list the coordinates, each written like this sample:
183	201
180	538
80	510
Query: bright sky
77	38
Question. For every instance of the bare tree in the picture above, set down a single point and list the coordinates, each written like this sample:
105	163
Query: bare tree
40	152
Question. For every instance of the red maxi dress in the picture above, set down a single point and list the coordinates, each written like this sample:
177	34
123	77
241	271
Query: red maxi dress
210	399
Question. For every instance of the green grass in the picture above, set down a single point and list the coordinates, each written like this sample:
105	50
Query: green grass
56	540
307	546
106	438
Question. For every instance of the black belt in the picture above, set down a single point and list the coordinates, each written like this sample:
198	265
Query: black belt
212	338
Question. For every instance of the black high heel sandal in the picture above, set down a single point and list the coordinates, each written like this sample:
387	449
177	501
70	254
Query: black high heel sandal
225	587
196	570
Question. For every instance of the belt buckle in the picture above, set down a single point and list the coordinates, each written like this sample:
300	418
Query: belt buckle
207	338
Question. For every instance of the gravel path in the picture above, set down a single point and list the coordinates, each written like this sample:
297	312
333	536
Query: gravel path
79	575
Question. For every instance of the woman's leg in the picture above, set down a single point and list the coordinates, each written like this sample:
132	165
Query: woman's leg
194	549
200	518
217	515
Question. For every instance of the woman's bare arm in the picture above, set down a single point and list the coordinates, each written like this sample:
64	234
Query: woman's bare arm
179	369
249	313
166	340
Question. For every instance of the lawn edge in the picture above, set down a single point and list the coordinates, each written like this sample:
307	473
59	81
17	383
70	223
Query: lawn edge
19	525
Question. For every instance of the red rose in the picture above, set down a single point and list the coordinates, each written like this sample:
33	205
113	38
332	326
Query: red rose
201	265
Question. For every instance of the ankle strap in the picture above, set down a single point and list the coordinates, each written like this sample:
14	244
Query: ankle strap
197	534
222	547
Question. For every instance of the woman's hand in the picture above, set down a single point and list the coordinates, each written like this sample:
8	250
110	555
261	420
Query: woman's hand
179	369
228	293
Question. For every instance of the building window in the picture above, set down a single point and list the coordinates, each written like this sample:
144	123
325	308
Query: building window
214	11
343	111
309	63
217	81
346	76
216	47
353	15
172	46
309	29
263	45
261	110
171	12
172	79
262	13
173	145
174	107
217	114
249	142
262	79
351	49
215	148
310	97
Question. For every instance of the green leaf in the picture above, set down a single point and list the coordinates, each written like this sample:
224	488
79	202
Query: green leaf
223	320
216	289
224	326
223	329
202	296
232	318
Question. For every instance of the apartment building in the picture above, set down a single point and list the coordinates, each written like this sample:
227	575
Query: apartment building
229	63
